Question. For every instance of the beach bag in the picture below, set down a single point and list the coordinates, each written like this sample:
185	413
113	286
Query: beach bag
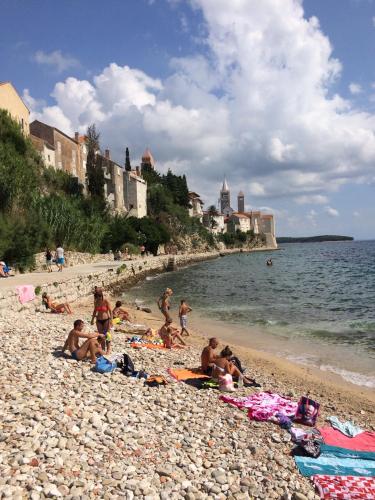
307	411
226	383
103	365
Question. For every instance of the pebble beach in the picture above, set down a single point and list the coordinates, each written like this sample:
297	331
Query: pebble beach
67	431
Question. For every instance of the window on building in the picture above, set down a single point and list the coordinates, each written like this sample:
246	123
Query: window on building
59	147
49	158
22	124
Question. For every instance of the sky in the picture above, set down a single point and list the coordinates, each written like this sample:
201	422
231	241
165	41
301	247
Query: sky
276	95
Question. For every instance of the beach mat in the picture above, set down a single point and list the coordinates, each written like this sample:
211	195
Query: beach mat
365	441
183	374
139	345
335	466
344	487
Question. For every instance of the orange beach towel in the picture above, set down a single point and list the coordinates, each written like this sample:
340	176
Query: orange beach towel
182	374
137	345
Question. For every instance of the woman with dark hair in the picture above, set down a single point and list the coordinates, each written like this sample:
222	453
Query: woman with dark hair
53	307
103	315
223	366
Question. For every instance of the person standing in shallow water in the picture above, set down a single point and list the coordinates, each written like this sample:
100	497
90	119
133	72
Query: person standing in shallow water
164	304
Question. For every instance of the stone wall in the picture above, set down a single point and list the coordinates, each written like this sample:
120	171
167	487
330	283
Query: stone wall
73	289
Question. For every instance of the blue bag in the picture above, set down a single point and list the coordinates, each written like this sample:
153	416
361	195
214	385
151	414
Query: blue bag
103	365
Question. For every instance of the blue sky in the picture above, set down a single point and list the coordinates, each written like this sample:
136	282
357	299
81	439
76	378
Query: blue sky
280	101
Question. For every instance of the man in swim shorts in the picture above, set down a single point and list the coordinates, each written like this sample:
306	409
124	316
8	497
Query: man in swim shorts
182	313
89	348
208	356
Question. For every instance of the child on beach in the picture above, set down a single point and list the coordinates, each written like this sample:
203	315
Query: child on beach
182	314
89	348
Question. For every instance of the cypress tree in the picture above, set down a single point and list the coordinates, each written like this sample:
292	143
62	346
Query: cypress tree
95	174
128	166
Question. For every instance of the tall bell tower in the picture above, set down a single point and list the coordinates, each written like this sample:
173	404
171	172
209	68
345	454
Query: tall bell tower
224	196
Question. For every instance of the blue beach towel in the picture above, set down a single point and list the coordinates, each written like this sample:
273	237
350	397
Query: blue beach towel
335	466
335	451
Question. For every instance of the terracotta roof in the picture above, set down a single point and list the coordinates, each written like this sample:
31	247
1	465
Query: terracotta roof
266	216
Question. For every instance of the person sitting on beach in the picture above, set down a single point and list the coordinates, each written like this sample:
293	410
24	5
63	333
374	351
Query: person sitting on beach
208	356
90	348
164	303
4	270
55	308
182	313
103	315
119	312
223	365
169	334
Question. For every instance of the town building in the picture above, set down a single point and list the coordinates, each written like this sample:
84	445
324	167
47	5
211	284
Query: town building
196	205
135	193
46	151
67	149
12	102
147	160
114	182
239	222
224	200
241	202
214	222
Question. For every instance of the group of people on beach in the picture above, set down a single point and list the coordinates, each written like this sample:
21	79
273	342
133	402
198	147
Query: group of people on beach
223	367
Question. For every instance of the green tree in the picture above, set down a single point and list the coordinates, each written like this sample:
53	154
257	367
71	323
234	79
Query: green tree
128	166
94	164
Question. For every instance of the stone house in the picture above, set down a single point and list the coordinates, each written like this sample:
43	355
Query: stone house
12	102
67	149
196	205
114	182
135	193
239	222
214	223
46	151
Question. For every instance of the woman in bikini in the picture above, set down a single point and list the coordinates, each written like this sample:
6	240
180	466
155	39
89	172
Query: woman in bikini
55	308
222	366
103	315
164	304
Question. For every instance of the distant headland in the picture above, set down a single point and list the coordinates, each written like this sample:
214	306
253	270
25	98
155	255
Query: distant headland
314	239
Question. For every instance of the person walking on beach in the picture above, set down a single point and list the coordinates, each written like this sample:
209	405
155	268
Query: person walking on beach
90	348
164	304
103	315
48	256
60	260
182	314
208	356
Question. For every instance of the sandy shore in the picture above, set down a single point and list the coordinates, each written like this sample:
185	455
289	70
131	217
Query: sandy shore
67	431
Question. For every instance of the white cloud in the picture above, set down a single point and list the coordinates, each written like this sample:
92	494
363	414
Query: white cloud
56	60
355	88
331	211
356	214
258	104
312	199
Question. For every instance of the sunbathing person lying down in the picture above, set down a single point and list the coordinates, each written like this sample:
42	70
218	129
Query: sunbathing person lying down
55	308
89	348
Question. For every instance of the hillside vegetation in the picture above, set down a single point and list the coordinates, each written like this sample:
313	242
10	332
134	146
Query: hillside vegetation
41	207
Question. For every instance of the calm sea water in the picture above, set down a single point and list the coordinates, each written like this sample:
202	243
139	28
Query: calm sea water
315	305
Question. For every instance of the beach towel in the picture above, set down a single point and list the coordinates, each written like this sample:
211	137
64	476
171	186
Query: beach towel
347	428
345	487
26	293
335	466
183	374
362	442
138	345
307	411
263	406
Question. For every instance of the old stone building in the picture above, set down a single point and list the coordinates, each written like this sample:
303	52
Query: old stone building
12	102
46	151
135	193
114	182
67	149
196	205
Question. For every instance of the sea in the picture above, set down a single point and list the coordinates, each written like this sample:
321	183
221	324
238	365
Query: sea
314	306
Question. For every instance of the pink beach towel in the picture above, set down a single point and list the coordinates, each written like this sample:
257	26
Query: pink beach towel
365	441
263	406
345	487
25	293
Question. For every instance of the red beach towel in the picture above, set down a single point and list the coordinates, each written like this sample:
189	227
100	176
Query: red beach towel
365	441
345	487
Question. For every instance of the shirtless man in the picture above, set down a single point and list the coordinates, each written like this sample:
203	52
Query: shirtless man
169	334
89	348
208	356
182	313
